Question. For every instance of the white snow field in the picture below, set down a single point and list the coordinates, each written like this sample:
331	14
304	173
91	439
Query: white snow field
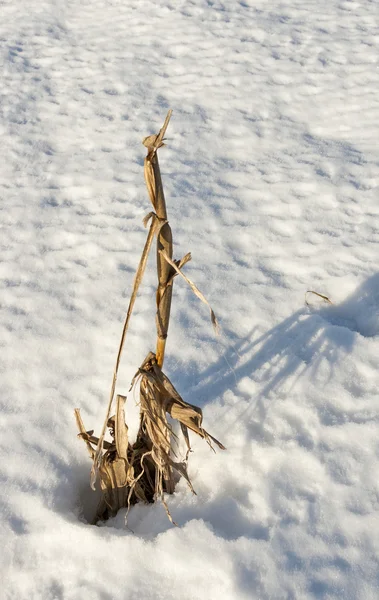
271	174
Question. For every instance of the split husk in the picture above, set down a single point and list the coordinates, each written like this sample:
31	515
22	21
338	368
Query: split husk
147	469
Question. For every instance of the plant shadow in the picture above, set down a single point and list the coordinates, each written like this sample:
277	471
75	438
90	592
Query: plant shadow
274	360
254	369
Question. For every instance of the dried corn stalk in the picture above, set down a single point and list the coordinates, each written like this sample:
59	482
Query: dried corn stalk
146	470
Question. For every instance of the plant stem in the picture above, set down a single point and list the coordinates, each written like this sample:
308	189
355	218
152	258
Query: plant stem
164	239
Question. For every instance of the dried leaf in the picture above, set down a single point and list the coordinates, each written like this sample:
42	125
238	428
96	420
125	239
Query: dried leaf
184	260
155	225
121	429
193	287
150	181
83	432
325	298
154	142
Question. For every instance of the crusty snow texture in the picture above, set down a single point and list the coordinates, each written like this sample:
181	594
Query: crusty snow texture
271	173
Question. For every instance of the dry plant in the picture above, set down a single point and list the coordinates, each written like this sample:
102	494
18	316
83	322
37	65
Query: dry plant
145	470
322	296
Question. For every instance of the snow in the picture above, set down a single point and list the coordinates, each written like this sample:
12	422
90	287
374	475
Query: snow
271	173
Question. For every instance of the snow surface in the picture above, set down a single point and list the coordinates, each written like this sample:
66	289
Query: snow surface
271	175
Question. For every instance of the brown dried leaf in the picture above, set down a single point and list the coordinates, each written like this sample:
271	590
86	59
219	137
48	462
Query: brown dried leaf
155	224
325	298
83	434
193	287
121	429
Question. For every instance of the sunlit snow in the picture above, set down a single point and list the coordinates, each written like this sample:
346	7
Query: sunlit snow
271	174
